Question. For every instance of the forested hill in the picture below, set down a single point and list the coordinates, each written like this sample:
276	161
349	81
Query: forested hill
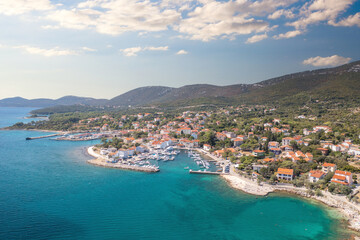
339	84
45	102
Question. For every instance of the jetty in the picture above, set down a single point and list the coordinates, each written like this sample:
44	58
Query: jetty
46	136
206	172
103	163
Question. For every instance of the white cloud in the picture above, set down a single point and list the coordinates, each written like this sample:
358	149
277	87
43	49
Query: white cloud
319	11
17	7
257	38
46	52
352	20
220	19
334	60
203	20
116	17
73	19
165	48
182	52
289	34
133	51
88	49
282	12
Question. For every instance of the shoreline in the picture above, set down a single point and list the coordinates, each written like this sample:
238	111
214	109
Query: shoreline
34	130
349	211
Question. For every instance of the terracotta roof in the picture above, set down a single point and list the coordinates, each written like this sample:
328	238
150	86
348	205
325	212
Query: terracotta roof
269	160
328	164
334	181
316	173
342	173
339	177
285	171
259	151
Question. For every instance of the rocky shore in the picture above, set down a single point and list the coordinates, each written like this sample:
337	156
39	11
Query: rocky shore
350	211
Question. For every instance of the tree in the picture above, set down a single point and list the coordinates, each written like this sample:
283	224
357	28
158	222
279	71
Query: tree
208	138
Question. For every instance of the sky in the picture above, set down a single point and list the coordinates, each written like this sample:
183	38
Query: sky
103	48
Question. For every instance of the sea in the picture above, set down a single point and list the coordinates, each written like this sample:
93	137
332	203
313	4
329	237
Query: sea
48	191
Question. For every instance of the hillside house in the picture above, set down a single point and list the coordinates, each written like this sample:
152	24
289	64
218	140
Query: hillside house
285	174
316	175
342	177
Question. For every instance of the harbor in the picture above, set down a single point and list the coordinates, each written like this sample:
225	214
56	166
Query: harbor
148	161
135	165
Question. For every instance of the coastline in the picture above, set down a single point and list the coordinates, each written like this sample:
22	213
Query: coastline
34	130
350	211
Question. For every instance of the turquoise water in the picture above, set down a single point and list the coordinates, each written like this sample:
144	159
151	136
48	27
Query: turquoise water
47	191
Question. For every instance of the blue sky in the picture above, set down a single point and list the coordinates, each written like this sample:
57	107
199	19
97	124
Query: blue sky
102	48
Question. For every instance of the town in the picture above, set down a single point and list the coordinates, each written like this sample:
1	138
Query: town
257	149
266	149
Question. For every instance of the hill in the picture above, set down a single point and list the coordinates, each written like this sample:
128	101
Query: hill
140	96
330	84
339	84
45	102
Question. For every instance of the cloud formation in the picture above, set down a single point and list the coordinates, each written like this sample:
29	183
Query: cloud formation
133	51
203	20
334	60
87	49
17	7
182	52
46	52
116	17
289	34
318	11
257	38
352	20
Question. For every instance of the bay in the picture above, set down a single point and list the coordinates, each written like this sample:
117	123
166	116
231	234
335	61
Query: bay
48	191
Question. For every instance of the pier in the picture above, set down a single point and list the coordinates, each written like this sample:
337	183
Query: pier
102	162
47	136
204	172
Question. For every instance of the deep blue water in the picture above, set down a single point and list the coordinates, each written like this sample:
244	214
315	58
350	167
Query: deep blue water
48	191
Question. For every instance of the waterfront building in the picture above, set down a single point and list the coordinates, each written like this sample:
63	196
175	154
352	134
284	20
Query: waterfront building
285	174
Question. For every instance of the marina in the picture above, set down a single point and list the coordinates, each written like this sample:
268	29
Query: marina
149	160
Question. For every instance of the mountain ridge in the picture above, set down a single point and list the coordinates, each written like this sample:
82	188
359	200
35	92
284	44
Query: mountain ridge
340	82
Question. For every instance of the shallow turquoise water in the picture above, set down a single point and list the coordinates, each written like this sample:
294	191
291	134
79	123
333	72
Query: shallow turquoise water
47	191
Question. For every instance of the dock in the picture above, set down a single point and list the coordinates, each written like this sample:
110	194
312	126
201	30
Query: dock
102	163
46	136
203	172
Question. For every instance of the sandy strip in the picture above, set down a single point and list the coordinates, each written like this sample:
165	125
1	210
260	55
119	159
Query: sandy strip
92	153
247	185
